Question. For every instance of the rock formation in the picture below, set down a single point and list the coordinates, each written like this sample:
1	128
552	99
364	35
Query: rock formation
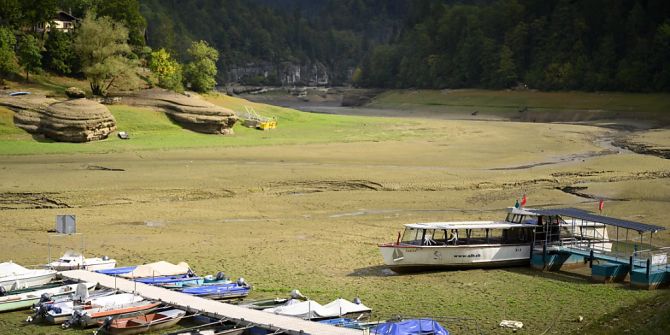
189	112
75	93
78	120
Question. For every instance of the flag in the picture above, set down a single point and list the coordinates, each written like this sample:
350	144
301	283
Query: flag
516	205
524	200
601	204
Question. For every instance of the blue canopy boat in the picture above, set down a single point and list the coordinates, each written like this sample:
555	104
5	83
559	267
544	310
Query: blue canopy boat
172	281
117	271
238	289
410	327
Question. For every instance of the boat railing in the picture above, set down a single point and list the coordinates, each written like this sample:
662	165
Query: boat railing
655	259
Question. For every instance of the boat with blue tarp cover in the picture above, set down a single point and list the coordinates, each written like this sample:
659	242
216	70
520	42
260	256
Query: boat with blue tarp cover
238	289
410	327
117	271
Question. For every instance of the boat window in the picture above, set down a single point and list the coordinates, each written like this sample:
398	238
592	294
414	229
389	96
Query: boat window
412	236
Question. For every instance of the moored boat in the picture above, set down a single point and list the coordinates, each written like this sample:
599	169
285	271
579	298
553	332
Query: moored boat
14	277
62	312
88	317
476	244
238	289
410	327
141	323
72	260
27	299
312	310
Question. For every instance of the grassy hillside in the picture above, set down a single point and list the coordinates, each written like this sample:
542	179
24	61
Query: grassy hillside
650	105
151	129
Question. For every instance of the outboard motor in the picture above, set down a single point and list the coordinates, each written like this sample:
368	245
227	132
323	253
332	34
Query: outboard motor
357	301
74	320
107	323
3	292
295	294
220	276
105	258
45	297
241	282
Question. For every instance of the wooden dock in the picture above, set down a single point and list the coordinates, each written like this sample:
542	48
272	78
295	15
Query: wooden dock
279	323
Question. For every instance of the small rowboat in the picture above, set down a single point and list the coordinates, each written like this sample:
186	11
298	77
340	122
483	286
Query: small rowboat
142	323
89	317
27	299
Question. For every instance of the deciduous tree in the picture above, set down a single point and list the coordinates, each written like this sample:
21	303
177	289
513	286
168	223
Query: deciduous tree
101	44
29	53
201	71
7	55
168	70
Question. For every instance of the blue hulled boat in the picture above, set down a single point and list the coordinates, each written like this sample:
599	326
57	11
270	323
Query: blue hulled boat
238	289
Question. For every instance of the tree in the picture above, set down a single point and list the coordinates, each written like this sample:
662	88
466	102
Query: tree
201	71
101	44
506	73
29	54
7	56
168	70
127	12
58	56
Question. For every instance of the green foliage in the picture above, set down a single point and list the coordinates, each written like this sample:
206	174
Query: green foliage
126	12
10	13
201	71
168	70
34	12
7	57
595	45
104	53
59	54
29	54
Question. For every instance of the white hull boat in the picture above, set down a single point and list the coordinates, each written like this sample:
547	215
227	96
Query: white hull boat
61	312
73	261
478	244
28	299
15	277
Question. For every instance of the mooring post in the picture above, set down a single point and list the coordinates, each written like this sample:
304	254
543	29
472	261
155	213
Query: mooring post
648	267
544	256
591	259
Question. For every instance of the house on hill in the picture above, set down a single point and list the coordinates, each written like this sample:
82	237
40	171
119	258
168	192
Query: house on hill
62	21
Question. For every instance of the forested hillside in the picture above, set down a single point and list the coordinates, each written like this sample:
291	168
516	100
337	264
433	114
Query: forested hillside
546	44
619	45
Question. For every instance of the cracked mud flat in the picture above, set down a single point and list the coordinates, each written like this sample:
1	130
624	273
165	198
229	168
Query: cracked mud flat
310	216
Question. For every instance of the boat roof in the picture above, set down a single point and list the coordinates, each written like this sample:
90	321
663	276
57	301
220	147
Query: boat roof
588	216
469	225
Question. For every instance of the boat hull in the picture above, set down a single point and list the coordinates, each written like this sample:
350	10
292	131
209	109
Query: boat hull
26	281
104	265
413	258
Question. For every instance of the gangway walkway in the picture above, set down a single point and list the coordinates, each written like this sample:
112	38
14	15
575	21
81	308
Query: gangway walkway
281	324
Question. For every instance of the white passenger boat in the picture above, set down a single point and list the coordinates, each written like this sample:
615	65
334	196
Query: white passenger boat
476	244
72	260
15	277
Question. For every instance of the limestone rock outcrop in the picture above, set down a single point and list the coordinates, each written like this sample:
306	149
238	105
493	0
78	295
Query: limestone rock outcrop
189	112
77	120
75	93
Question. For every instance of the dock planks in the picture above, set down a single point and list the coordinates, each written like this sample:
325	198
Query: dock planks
212	308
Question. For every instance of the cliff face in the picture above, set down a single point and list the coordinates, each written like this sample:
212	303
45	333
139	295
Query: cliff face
282	74
76	120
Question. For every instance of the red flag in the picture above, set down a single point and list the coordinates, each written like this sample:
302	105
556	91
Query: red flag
601	204
524	200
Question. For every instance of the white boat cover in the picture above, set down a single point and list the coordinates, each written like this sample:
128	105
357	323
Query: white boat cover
344	306
311	309
67	307
12	269
158	269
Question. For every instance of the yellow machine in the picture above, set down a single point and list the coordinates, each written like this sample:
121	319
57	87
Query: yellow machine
251	119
